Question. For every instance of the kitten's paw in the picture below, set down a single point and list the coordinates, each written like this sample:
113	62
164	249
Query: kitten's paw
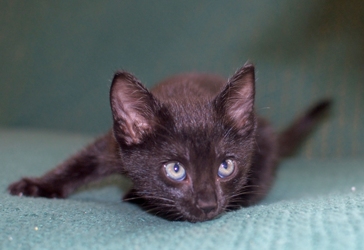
32	187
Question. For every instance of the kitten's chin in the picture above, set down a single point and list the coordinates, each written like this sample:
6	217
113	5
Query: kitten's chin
202	218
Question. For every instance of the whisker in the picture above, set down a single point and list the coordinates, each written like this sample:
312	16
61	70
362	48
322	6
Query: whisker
150	197
265	108
242	190
244	193
175	216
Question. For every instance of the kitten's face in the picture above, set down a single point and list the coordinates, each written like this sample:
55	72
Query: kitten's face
187	161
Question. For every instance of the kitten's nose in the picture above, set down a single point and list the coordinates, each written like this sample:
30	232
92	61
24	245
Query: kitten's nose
207	205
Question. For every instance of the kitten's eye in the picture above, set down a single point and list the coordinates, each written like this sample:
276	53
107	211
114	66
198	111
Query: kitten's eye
175	171
226	168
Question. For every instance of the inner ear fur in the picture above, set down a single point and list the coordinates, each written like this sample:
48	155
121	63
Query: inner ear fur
236	101
133	108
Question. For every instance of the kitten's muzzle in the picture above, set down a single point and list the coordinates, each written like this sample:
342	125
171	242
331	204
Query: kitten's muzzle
207	204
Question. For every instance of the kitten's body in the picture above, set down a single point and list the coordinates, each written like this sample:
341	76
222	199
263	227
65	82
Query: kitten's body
198	123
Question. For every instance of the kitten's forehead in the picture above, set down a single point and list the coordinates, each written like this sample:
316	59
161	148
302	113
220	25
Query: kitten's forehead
196	129
197	115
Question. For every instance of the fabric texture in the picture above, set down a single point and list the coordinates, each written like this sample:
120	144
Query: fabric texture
315	204
57	59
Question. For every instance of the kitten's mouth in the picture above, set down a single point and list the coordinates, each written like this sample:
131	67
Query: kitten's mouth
176	212
198	215
203	217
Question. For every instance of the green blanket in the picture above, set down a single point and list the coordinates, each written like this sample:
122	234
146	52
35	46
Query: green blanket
315	204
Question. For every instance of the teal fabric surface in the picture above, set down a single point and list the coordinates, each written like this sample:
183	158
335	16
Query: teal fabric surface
315	204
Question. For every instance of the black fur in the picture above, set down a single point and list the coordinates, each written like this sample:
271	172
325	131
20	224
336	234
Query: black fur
199	122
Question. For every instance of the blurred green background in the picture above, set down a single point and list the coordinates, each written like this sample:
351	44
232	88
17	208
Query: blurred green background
58	57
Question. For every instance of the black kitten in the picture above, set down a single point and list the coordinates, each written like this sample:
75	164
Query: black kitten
193	147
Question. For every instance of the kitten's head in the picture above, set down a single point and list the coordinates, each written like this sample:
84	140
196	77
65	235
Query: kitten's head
188	159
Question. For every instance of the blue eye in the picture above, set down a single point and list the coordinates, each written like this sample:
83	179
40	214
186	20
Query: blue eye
226	168
175	171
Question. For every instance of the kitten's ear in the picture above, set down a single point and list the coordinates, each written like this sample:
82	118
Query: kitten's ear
133	108
236	101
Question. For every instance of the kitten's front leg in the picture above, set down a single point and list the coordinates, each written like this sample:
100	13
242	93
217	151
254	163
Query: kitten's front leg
98	160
